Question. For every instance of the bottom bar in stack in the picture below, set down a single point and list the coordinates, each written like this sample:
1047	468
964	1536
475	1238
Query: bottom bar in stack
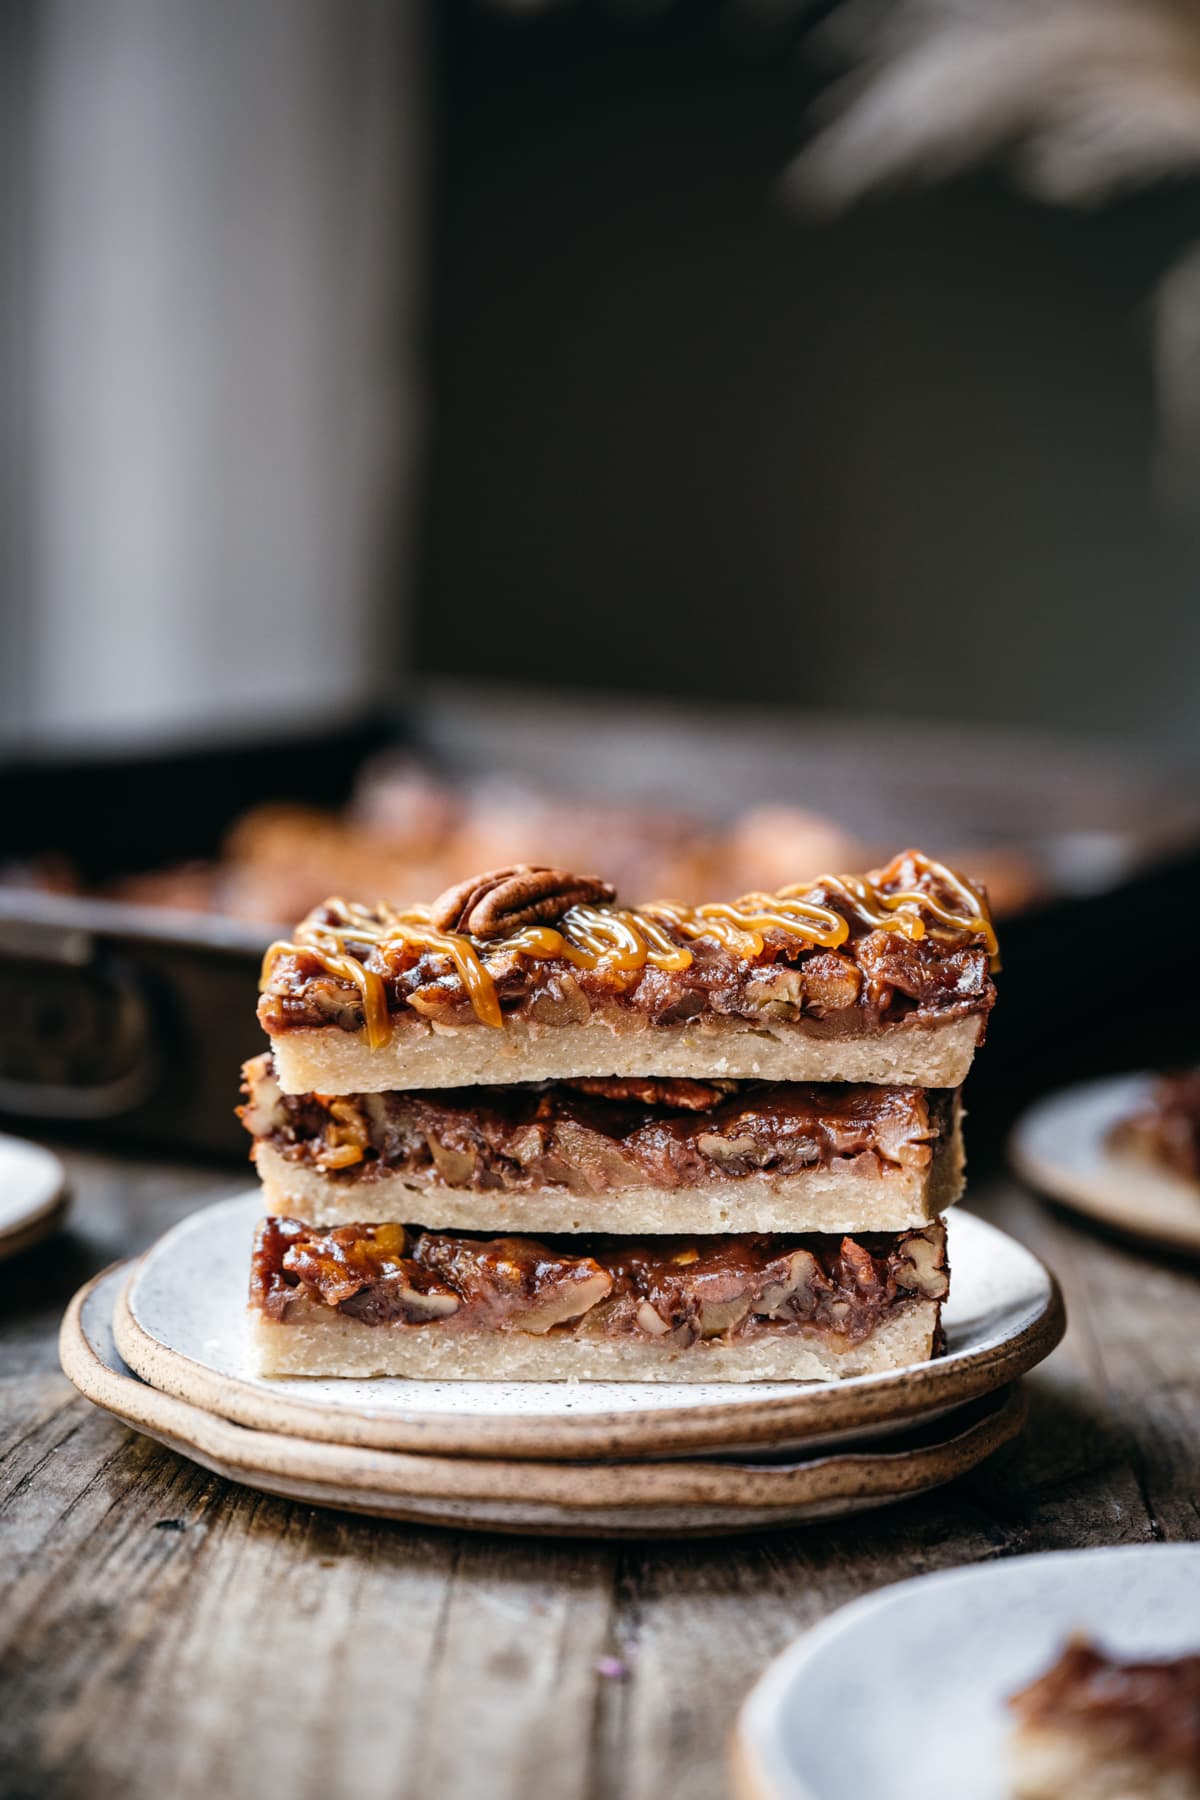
366	1300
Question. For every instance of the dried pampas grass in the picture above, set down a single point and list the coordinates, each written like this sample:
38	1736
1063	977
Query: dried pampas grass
1089	97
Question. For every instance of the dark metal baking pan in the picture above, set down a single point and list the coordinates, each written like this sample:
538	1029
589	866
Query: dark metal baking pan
130	1021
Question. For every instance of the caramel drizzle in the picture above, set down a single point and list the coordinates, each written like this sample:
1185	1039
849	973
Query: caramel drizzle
625	939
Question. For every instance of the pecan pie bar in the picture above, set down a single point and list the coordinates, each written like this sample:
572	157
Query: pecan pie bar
529	975
1095	1728
616	1155
367	1300
1164	1133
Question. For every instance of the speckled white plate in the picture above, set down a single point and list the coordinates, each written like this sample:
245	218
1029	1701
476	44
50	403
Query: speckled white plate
32	1200
1059	1146
181	1326
631	1499
915	1678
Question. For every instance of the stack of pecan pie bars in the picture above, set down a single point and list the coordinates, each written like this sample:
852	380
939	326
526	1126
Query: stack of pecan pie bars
527	1133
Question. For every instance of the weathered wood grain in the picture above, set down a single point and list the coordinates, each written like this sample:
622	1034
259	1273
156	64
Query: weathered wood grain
163	1633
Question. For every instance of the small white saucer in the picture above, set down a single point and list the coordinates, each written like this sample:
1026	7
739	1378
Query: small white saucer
1060	1147
904	1693
32	1194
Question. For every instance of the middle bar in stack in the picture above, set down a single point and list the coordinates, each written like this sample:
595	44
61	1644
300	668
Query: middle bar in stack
733	1129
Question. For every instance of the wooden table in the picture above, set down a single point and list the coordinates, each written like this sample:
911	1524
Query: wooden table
167	1635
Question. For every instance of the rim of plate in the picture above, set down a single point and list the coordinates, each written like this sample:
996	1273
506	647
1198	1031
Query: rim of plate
808	1411
1057	1147
349	1476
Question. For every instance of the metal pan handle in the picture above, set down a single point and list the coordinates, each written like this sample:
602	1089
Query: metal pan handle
78	1032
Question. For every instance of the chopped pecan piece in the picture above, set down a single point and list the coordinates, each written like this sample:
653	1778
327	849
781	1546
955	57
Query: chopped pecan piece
894	964
681	1095
344	1261
831	982
516	1281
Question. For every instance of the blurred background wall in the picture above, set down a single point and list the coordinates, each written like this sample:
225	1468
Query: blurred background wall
350	347
692	436
214	260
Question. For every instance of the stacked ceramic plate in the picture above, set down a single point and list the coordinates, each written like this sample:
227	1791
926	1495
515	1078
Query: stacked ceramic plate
632	1217
167	1354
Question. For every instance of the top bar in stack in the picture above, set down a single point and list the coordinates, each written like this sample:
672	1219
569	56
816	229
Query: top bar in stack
532	975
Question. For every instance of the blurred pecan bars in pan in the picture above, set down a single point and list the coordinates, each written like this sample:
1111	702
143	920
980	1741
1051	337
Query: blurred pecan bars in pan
1094	1728
627	1154
367	1300
530	974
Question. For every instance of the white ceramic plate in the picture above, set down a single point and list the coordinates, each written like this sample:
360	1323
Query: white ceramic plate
901	1695
631	1499
1059	1146
183	1330
31	1193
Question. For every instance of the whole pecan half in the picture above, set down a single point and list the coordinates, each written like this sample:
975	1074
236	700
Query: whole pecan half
506	900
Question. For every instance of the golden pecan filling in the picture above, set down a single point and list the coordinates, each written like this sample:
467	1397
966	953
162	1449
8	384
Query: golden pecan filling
593	1137
674	1291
